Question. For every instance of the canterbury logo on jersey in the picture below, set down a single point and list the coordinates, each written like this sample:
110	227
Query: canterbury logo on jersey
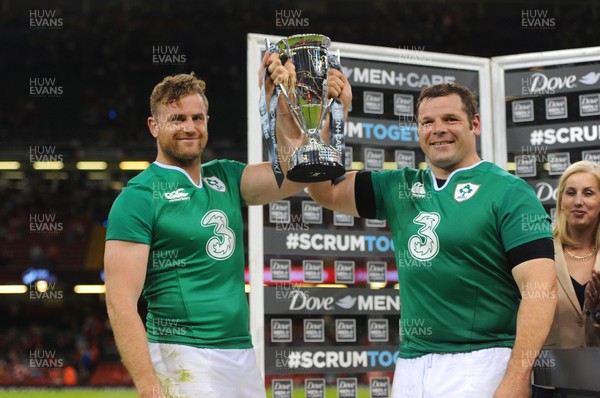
215	184
418	190
465	191
177	196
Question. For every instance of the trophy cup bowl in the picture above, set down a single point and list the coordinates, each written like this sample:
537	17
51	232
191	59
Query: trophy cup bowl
315	160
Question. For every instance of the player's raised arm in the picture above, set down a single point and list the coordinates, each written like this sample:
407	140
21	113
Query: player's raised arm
258	185
339	197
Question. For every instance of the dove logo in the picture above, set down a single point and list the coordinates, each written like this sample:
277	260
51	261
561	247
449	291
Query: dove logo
314	330
379	383
282	388
346	302
311	324
589	104
313	271
344	271
301	300
345	330
378	324
314	387
377	271
592	156
542	84
281	271
379	387
590	79
346	384
279	212
378	330
347	387
281	330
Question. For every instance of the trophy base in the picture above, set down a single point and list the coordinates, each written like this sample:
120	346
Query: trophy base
315	162
316	172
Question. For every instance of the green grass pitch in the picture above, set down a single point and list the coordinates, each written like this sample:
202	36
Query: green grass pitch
108	393
95	393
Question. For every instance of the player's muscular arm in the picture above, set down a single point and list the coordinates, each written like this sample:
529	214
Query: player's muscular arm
339	197
537	281
258	184
125	270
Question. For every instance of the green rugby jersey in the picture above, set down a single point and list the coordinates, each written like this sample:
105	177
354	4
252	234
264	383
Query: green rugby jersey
195	276
456	287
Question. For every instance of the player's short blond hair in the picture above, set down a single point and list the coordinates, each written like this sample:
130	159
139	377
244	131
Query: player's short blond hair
173	88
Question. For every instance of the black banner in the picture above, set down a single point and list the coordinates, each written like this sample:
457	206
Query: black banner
342	359
287	298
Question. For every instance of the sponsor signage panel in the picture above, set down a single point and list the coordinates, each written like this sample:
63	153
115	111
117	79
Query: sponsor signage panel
338	359
546	190
575	134
552	81
403	76
358	301
327	242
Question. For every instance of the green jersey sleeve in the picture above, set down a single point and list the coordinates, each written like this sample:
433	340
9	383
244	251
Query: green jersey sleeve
521	216
131	216
234	174
391	187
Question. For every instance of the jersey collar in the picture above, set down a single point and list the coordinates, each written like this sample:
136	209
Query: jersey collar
433	182
177	168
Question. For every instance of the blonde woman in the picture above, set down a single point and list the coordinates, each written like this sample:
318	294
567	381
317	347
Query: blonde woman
576	242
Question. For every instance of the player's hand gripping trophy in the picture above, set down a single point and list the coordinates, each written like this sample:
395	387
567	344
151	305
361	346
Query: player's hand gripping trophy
315	160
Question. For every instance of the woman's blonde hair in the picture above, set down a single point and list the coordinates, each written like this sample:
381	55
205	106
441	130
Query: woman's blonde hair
560	231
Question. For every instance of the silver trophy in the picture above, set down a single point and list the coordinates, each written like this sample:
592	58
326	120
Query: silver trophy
314	161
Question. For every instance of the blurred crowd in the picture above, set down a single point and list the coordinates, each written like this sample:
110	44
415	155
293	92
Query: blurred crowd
102	55
58	350
46	223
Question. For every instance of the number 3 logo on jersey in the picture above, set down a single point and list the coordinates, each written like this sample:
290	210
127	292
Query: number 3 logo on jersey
425	245
222	245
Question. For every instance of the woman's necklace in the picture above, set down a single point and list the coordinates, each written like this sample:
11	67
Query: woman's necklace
581	258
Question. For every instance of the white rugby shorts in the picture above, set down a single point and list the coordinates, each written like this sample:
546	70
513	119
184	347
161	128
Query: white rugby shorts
186	371
474	374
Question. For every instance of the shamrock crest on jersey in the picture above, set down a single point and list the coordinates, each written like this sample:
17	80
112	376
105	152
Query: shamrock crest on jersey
215	184
465	191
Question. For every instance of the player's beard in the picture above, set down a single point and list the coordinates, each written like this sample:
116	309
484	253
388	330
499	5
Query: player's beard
181	153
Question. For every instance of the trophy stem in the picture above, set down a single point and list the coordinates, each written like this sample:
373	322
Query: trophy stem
313	134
